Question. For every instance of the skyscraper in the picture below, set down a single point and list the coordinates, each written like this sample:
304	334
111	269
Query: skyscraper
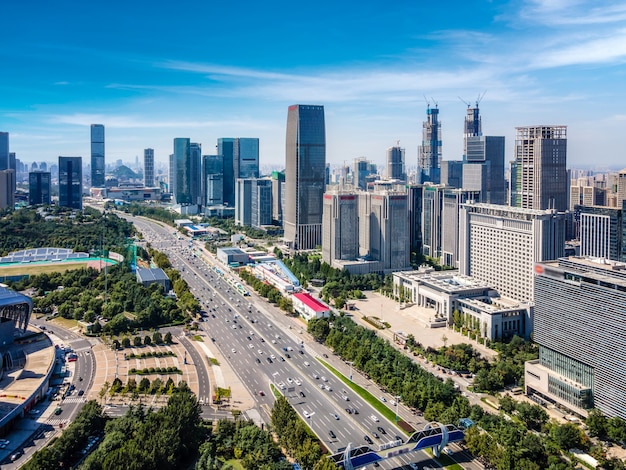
240	156
429	153
148	168
182	171
541	158
7	183
195	175
213	179
395	163
71	182
39	183
97	156
305	171
362	168
4	151
341	227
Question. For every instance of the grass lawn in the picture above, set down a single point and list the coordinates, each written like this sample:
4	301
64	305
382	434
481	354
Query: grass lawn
65	322
34	269
197	338
367	396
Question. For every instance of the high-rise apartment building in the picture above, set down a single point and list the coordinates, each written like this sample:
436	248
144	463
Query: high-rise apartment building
305	171
621	187
429	153
71	182
148	168
541	174
213	178
389	230
182	172
261	202
243	202
500	245
97	156
39	184
395	164
578	324
340	239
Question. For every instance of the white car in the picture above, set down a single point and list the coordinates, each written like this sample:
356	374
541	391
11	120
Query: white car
306	363
260	352
272	356
392	402
306	414
290	380
233	351
273	341
374	418
324	379
327	387
315	376
297	382
251	345
383	399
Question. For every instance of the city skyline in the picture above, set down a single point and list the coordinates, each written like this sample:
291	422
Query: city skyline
374	68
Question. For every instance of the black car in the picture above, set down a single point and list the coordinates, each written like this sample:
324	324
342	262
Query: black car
331	434
368	439
258	361
301	351
269	360
382	430
81	393
325	355
349	411
287	356
398	438
302	394
355	411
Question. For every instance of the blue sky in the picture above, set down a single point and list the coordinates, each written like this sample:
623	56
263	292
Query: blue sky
153	71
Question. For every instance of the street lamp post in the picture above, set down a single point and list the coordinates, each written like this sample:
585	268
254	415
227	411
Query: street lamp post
350	370
397	404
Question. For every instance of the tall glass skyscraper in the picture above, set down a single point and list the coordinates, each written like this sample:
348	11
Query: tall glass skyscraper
97	156
195	180
304	176
71	182
39	184
240	156
182	171
4	151
213	180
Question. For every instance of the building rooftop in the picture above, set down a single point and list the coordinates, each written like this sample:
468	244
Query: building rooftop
311	302
151	274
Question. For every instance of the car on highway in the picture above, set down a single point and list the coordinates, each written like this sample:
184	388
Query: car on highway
302	394
448	451
315	376
345	397
374	418
331	434
261	393
322	386
328	387
383	399
324	379
259	351
287	356
306	363
297	381
336	416
233	351
272	356
375	434
306	414
381	430
258	361
368	439
81	393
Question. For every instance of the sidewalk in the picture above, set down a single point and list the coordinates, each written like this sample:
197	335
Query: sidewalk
411	320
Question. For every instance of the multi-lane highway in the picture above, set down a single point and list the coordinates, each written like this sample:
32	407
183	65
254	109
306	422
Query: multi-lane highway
263	347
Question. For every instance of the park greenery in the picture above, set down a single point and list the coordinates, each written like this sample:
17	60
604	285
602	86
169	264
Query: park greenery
294	435
52	226
150	211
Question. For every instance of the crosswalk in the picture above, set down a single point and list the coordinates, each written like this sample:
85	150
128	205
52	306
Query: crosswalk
56	421
74	400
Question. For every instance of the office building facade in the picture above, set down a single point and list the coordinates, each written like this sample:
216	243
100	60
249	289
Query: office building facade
429	153
240	158
602	232
71	182
305	171
389	231
483	169
261	202
579	314
213	178
195	177
148	168
340	239
362	168
7	183
500	245
181	172
541	174
39	188
278	186
396	163
97	156
225	150
4	151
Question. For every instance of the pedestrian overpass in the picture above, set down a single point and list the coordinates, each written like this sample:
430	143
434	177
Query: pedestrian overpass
434	435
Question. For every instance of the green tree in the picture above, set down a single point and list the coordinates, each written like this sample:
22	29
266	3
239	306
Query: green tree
137	341
157	338
167	338
147	340
126	342
566	436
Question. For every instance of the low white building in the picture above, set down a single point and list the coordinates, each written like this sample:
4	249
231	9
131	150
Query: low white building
481	307
309	307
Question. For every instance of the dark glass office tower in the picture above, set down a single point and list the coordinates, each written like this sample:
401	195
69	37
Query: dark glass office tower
4	151
304	176
71	182
182	171
195	181
97	156
213	180
225	149
39	183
